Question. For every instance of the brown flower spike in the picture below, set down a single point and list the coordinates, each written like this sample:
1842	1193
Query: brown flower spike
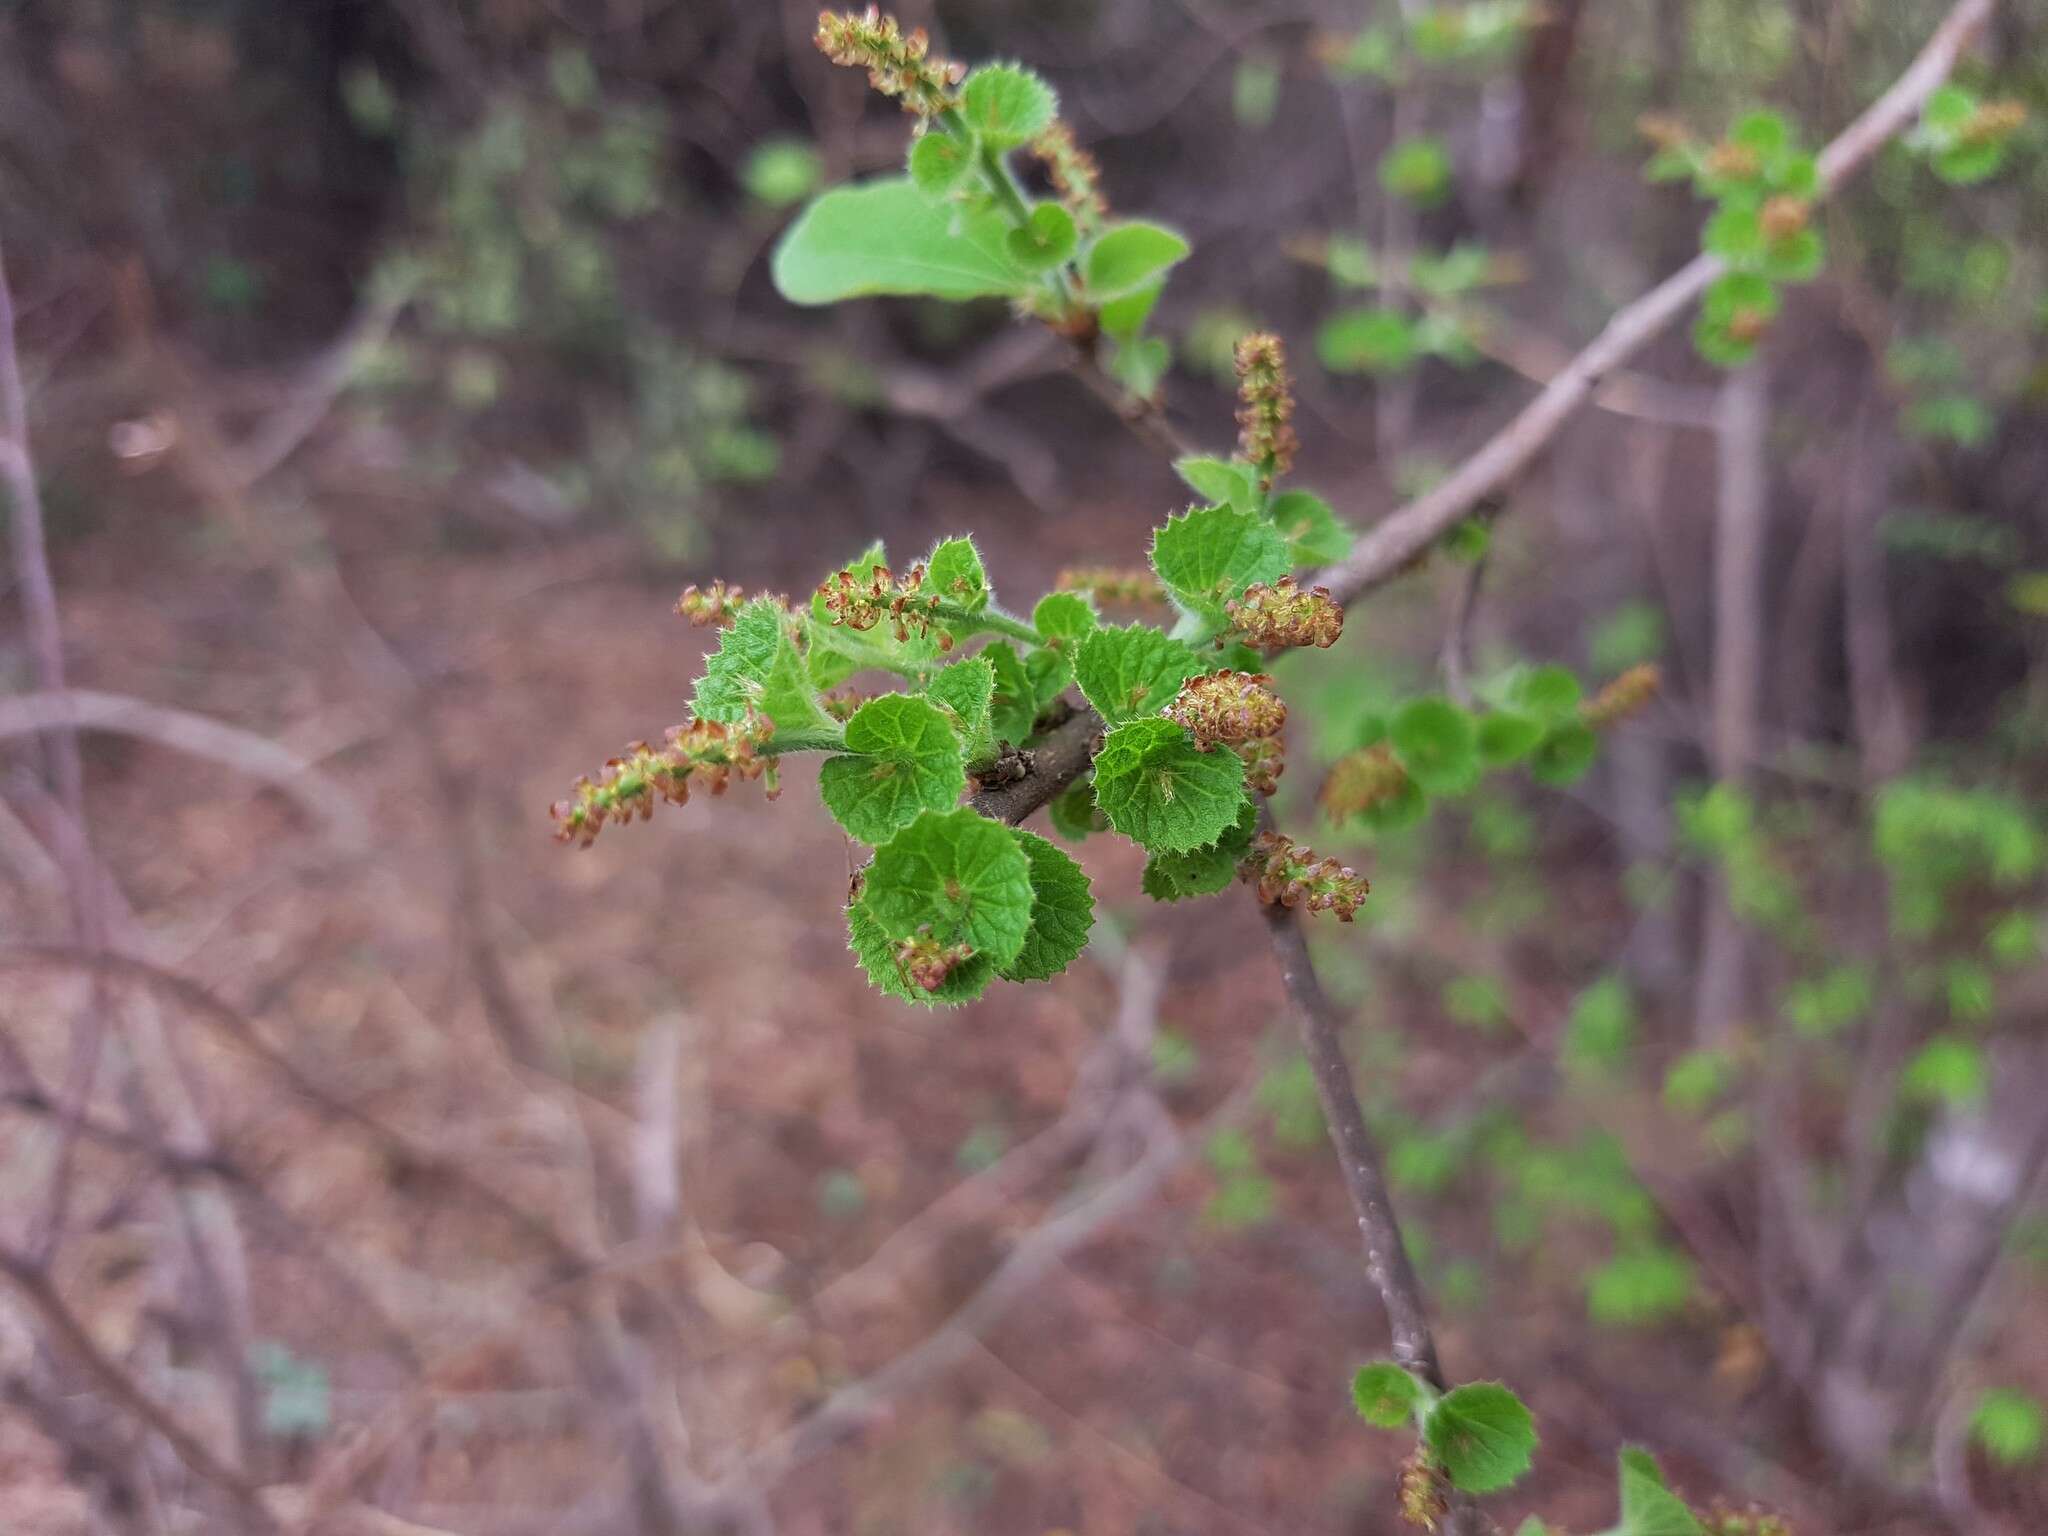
926	963
1295	877
1282	615
1106	585
1423	1498
1074	175
1361	780
1265	410
714	605
861	602
1626	695
704	752
897	62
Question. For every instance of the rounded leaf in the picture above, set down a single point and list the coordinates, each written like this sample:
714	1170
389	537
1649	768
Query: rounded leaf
1482	1435
1207	556
940	163
1047	238
1438	744
908	760
889	237
1129	255
1386	1394
1133	670
876	952
1564	754
955	877
1160	791
1007	104
1062	912
1506	737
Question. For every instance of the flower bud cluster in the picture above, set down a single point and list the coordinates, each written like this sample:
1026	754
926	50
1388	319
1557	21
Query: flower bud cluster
1283	615
706	753
926	963
1265	759
1423	1499
1228	707
862	602
715	605
1295	877
898	62
1107	585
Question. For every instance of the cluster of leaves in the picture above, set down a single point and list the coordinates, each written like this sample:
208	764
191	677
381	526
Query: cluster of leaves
1964	137
958	224
1763	185
1433	748
1459	33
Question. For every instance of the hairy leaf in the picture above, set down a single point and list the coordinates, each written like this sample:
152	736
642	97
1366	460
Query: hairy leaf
1007	104
1648	1507
1387	1395
1159	790
940	163
1132	671
955	573
955	877
1200	871
910	761
1219	480
1064	619
1062	912
1315	535
1209	555
1129	255
757	666
965	692
1047	239
1073	812
876	952
1014	708
1438	744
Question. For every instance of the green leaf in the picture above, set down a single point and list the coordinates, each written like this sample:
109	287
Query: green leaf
1073	814
876	952
1123	318
1007	104
1047	239
1062	912
1219	480
940	163
954	573
1386	1395
1602	1025
965	693
1418	170
1200	871
887	237
756	665
1317	538
1131	671
1128	255
1369	340
1506	737
1208	556
1160	791
909	761
1482	1435
1548	692
1648	1507
1014	709
1564	754
955	876
1438	744
1064	619
2010	1426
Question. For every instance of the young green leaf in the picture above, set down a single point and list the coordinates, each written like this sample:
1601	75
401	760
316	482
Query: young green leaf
940	163
965	693
1073	814
909	761
1648	1506
1315	535
955	877
1368	340
1506	737
1139	365
1007	105
888	237
1161	791
1207	556
1200	871
1014	708
1131	671
1386	1395
756	666
2010	1425
1062	912
1483	1436
1564	754
1047	239
1641	1285
1548	692
1063	619
1418	170
1128	255
1123	318
1219	480
1438	744
954	572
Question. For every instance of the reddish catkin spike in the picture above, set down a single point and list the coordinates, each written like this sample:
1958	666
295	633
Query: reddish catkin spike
1283	615
1723	1521
1784	217
1228	707
705	753
1265	410
1106	585
1295	877
861	602
897	62
712	605
1626	695
1074	175
1423	1500
1993	123
926	963
1361	780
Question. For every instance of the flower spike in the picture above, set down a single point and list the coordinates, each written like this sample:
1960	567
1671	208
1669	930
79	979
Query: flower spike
1283	615
704	752
1289	876
898	62
1265	431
